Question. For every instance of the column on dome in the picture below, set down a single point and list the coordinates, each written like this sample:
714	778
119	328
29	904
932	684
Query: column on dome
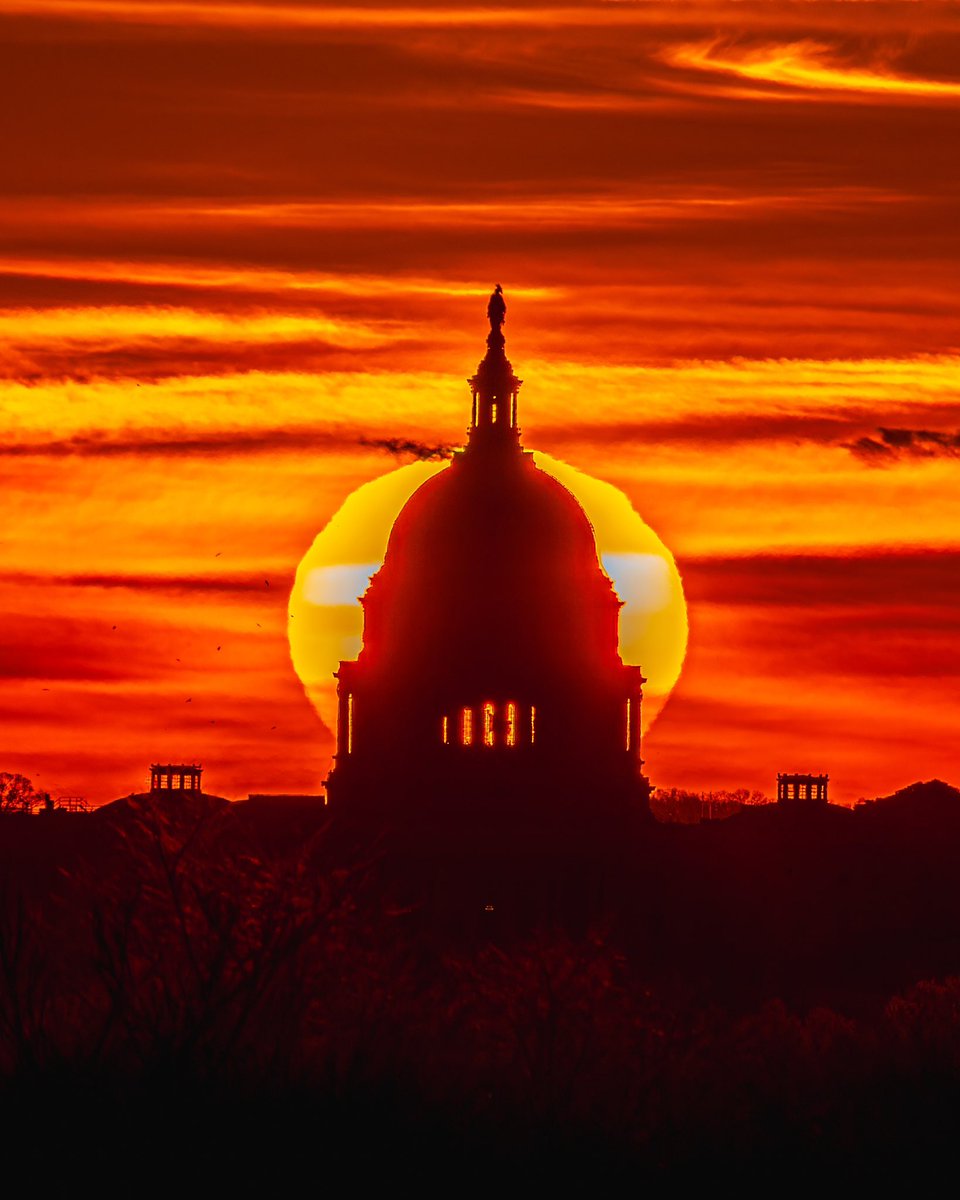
632	726
346	708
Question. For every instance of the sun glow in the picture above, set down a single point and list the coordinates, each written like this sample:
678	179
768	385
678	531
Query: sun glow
327	623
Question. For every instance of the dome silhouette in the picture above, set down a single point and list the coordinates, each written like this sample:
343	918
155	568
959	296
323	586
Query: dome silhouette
489	676
513	550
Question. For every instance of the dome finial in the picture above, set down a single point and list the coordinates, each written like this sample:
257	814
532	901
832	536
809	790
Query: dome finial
495	386
497	308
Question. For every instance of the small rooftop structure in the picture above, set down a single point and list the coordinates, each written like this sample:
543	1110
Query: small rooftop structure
803	788
175	777
71	804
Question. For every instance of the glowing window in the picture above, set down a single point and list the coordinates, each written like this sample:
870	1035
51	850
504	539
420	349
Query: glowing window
445	730
493	414
164	781
466	726
629	723
488	715
533	723
511	724
350	723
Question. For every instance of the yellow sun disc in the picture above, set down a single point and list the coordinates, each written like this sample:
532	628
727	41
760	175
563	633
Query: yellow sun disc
334	573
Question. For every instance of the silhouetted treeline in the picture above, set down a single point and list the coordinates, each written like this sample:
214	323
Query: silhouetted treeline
186	980
690	808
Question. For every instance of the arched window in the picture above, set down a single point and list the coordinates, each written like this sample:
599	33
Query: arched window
489	713
511	723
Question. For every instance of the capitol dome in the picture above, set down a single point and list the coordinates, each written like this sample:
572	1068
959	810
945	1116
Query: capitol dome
488	563
490	664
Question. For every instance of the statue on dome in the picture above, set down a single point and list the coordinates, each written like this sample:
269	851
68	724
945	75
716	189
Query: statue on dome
497	308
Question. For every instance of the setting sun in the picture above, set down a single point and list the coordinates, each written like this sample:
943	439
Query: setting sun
327	620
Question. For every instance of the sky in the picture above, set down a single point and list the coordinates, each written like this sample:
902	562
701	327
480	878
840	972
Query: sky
245	252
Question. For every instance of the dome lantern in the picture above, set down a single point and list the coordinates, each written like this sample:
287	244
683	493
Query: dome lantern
495	387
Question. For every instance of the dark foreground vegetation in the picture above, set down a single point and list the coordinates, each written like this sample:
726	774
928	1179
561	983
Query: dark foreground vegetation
202	990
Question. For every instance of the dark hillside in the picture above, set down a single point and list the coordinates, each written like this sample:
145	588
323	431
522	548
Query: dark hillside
778	986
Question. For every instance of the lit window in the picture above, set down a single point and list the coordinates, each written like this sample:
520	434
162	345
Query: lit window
533	723
488	715
629	730
164	781
511	724
493	414
466	726
445	730
350	723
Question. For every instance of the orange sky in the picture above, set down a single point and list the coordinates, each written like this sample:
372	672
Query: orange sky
244	245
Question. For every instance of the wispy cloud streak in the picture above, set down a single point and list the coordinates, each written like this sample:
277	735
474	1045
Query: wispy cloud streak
895	445
811	68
